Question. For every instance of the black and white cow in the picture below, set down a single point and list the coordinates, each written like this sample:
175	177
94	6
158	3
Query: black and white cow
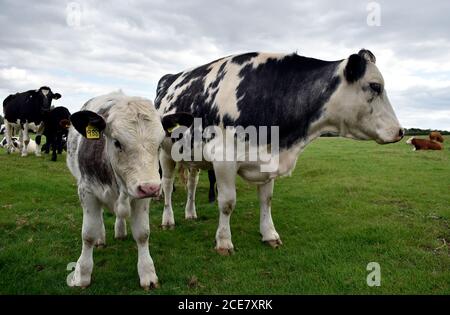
56	126
112	150
303	97
22	109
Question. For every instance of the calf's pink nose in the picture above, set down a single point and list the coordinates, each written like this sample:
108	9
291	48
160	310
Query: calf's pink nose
148	190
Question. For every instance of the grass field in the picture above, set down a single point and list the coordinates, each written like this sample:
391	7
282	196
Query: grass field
348	203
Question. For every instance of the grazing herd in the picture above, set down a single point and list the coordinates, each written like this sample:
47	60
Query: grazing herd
121	149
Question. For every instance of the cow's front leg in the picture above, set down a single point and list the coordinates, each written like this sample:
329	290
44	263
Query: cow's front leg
190	212
91	232
25	139
266	227
168	173
141	230
226	185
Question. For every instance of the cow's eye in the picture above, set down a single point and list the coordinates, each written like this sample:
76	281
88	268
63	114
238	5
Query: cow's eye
117	144
376	87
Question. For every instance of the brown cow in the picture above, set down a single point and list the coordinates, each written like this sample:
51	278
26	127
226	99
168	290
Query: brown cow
436	136
423	144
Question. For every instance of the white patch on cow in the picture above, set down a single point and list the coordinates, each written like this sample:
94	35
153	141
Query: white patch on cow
45	92
409	141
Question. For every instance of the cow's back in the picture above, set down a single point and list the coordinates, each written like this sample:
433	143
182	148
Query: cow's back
254	89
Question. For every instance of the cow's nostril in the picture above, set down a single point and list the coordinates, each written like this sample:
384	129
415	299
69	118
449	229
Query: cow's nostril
401	133
148	190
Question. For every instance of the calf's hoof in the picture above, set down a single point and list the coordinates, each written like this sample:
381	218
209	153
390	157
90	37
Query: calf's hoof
225	251
153	285
274	243
166	227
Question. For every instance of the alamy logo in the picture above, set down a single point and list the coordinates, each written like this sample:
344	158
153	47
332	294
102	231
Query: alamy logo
215	144
374	277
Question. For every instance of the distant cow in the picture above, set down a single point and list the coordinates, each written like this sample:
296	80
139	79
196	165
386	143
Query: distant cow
112	150
436	136
56	126
423	144
301	97
22	109
16	144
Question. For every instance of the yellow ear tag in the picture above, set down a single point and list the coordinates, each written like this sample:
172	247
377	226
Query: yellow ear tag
92	132
173	128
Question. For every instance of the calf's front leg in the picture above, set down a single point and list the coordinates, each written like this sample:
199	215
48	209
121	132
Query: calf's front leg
91	233
140	228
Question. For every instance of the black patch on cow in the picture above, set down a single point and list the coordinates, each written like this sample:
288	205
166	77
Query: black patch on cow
240	59
355	68
288	93
163	84
92	161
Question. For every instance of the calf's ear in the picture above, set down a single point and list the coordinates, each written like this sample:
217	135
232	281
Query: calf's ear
172	121
56	96
355	68
89	124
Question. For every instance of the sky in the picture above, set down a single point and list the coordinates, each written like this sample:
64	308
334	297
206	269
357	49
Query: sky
82	49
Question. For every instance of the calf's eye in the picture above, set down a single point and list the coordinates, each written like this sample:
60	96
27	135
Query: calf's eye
376	87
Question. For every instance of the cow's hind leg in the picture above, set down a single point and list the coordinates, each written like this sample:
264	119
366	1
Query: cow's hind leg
266	227
168	173
91	232
140	228
190	212
101	241
226	185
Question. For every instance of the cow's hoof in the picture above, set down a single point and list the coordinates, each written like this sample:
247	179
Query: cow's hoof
121	237
274	243
225	251
166	227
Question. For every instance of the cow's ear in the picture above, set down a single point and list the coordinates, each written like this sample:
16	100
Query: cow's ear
355	68
171	121
64	123
367	55
89	124
56	96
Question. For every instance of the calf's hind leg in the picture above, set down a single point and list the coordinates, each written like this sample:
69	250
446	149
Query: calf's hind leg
266	226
